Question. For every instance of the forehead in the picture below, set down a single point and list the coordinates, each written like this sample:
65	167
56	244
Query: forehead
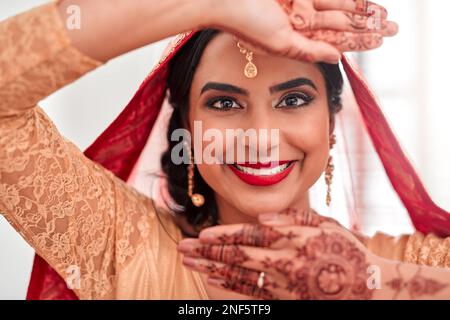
222	61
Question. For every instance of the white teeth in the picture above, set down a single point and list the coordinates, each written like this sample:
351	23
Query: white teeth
263	171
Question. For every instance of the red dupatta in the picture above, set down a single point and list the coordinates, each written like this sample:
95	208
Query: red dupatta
118	149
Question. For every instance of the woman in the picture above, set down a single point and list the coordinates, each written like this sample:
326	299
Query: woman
86	222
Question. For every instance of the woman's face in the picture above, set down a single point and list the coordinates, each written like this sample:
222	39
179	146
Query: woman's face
287	95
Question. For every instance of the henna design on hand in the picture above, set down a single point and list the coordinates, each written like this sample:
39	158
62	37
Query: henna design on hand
229	250
418	286
254	235
245	288
347	41
229	254
328	266
362	6
306	218
364	30
236	278
357	22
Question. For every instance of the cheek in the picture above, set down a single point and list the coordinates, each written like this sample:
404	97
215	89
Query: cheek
309	130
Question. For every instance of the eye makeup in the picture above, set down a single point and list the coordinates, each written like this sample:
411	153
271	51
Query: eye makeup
231	103
289	98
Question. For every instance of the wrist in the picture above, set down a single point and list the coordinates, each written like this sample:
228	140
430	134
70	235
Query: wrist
211	12
382	272
222	13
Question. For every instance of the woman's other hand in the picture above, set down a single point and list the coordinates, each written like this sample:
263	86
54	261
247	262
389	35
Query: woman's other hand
303	256
310	30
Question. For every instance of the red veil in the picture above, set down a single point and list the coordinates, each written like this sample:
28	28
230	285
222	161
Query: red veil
119	147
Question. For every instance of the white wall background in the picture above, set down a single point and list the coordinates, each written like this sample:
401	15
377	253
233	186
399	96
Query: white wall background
409	74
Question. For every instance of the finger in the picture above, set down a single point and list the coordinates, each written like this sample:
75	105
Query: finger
268	262
217	269
295	46
341	21
285	237
246	281
353	6
376	10
243	287
348	41
244	256
345	5
254	235
229	272
390	30
293	216
313	51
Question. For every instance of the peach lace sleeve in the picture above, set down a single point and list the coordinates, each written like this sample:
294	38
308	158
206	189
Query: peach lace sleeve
72	211
428	250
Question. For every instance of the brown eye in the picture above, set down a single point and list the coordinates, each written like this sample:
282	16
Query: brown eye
223	104
295	100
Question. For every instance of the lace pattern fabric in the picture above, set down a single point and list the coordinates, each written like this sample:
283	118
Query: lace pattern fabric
71	210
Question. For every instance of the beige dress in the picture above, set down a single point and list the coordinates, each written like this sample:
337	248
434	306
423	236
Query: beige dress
74	212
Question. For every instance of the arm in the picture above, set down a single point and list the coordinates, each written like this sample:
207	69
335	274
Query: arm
72	211
124	26
333	28
405	281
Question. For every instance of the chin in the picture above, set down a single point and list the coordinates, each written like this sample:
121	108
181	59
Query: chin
278	189
253	204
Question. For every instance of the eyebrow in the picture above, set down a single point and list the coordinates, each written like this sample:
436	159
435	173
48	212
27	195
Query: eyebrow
225	87
292	84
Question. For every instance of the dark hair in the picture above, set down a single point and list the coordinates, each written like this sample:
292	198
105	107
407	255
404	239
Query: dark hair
182	69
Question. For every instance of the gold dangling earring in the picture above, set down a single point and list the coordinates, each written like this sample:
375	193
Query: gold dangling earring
329	171
197	199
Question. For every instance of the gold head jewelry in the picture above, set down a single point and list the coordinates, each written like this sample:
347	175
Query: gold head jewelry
197	199
250	69
329	171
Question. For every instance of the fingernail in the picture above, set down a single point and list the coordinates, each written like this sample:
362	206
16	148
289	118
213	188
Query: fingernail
190	262
268	217
207	236
185	246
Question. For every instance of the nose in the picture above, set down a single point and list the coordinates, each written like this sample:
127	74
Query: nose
262	138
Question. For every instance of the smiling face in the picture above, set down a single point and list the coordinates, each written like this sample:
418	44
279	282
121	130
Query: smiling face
287	95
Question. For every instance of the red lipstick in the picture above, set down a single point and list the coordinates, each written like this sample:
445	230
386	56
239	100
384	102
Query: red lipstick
262	174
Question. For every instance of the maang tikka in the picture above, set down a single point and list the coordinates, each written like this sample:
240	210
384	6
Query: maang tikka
197	199
250	69
329	171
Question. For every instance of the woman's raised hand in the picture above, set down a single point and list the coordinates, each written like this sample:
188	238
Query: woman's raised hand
302	255
310	30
